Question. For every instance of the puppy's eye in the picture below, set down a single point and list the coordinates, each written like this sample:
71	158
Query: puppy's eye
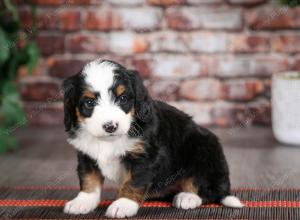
89	104
123	99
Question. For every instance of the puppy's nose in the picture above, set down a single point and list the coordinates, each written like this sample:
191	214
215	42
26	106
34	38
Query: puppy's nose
110	127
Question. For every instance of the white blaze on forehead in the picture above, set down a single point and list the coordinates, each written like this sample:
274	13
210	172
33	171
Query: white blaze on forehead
100	76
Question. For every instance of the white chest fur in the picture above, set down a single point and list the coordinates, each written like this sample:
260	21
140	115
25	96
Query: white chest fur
106	153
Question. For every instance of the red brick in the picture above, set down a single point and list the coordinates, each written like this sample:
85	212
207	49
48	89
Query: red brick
126	43
104	19
247	2
16	2
200	89
87	43
49	2
297	64
70	20
242	90
143	66
164	90
201	112
178	21
63	68
288	43
248	66
267	88
202	2
168	42
45	20
141	19
39	70
207	42
261	112
268	66
240	116
166	2
227	114
274	18
83	2
65	3
48	20
125	2
41	90
65	19
26	19
46	113
123	60
177	67
50	44
243	43
187	18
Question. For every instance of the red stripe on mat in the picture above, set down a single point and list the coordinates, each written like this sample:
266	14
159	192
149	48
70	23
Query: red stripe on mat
60	203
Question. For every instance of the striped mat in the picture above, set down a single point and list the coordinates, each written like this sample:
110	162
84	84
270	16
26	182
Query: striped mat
48	202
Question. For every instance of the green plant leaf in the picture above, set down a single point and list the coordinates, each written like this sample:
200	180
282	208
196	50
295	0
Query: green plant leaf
33	56
13	10
291	3
22	56
4	47
12	67
34	19
12	57
7	140
11	106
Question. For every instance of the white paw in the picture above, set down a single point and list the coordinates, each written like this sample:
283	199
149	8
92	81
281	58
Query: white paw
122	208
187	200
83	203
232	202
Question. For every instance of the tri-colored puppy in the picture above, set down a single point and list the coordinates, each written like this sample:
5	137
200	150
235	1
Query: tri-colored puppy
148	147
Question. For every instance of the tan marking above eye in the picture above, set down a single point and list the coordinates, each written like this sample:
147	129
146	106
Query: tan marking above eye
120	90
89	94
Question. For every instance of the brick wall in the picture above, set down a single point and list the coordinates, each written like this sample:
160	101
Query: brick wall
211	58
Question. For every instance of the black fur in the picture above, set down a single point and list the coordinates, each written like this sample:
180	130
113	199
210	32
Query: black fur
73	88
175	147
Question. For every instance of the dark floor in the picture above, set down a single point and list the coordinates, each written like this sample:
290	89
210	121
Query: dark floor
255	159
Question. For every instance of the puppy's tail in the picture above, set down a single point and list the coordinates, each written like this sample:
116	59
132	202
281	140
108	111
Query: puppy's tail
232	202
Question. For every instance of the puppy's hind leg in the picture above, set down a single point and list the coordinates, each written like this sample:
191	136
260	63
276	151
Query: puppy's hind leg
188	198
220	193
232	202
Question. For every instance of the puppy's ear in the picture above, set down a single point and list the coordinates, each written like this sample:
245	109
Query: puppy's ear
70	87
143	101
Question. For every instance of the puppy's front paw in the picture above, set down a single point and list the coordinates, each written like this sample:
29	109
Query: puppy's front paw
82	204
122	208
186	200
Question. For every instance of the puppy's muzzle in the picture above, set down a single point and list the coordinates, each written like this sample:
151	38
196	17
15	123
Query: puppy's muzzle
110	127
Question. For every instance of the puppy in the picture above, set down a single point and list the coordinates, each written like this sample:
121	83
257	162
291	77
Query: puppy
148	147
